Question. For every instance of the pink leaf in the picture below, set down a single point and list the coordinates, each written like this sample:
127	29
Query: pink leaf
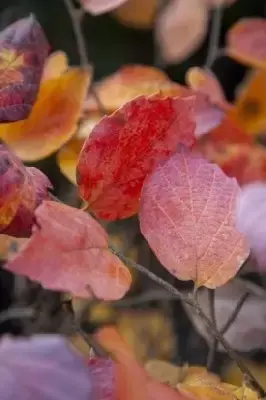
68	251
207	115
97	7
251	218
43	367
123	149
102	372
188	217
181	29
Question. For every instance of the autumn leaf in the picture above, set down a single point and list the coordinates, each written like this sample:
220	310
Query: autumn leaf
97	7
129	82
55	65
181	29
246	42
9	246
103	373
43	367
22	189
76	257
23	50
53	119
207	116
187	215
125	147
137	14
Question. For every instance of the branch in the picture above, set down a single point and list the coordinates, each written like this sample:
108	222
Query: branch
16	313
213	345
191	301
214	41
235	313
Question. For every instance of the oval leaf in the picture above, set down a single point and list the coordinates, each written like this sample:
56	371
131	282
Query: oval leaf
124	148
137	14
76	257
42	367
53	119
97	7
23	50
188	218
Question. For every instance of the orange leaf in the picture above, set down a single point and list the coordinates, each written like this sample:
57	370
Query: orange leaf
53	119
75	257
56	64
187	215
23	50
246	42
181	29
67	158
9	245
132	81
137	14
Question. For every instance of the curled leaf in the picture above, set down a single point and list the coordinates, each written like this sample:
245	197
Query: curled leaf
125	147
43	367
181	29
246	42
97	7
187	215
23	50
76	257
53	119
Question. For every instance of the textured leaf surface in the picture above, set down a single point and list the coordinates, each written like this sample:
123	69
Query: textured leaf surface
53	119
188	218
124	148
246	42
251	218
103	373
96	7
76	256
42	367
131	81
23	50
22	189
181	29
245	334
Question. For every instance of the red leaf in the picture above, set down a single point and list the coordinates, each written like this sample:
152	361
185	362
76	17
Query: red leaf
42	367
96	7
124	148
21	191
23	50
188	217
75	257
246	42
251	218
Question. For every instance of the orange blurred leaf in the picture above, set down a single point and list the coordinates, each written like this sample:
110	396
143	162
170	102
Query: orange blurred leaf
23	50
181	29
246	42
9	245
76	257
187	215
137	14
53	119
56	64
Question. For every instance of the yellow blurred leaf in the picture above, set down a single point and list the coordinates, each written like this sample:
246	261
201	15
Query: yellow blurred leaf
164	372
53	119
234	376
56	64
9	246
137	14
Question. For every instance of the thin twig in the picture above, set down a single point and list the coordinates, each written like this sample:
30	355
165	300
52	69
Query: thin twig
213	344
214	41
17	313
235	313
191	301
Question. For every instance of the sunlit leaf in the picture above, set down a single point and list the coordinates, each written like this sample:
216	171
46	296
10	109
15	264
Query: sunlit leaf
246	42
250	107
181	29
245	333
42	367
56	64
53	119
23	50
251	218
137	14
96	7
124	148
76	256
22	189
187	216
129	82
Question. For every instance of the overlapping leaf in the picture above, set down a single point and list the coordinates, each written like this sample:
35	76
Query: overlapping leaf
246	42
75	257
42	367
23	50
22	190
96	7
53	119
181	29
56	64
188	217
125	147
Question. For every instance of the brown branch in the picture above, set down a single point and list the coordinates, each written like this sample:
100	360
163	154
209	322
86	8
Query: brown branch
213	344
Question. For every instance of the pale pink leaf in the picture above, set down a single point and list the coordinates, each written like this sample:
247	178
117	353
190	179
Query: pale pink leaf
68	251
188	218
181	29
42	367
251	218
207	115
97	7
